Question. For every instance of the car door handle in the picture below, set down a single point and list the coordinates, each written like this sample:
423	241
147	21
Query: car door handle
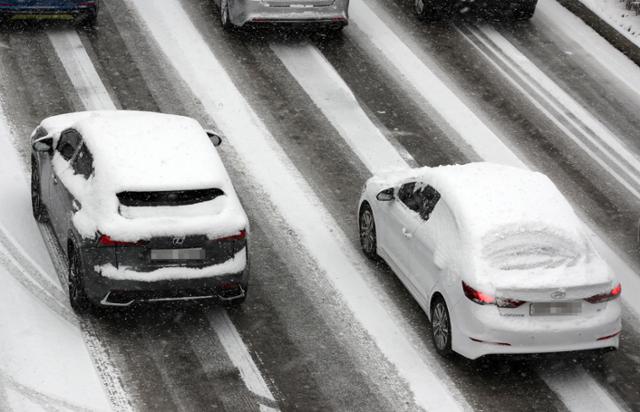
406	233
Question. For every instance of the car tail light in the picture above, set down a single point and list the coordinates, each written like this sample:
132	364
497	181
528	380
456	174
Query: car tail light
609	336
105	240
606	297
477	296
238	236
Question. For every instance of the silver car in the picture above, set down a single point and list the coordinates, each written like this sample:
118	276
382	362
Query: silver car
332	14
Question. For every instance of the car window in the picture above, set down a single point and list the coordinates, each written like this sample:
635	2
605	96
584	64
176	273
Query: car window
69	141
38	133
419	197
83	162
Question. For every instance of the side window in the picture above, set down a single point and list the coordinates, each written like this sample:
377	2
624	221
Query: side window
419	197
407	195
68	143
83	162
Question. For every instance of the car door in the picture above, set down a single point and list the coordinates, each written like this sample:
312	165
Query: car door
59	197
425	269
402	222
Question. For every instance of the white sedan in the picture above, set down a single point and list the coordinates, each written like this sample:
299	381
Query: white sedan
495	256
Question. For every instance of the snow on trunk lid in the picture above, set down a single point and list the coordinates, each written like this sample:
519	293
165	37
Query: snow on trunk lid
174	203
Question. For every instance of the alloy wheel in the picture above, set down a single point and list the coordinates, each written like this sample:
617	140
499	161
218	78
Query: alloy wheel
368	232
440	324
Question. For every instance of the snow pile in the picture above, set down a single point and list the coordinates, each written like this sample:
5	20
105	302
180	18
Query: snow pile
140	151
616	14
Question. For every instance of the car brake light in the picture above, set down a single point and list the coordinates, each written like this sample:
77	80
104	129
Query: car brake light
105	240
477	296
605	297
239	236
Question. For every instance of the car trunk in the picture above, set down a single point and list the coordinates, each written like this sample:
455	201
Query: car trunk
195	250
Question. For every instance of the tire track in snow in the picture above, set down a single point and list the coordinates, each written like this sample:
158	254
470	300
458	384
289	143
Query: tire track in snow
270	167
94	96
325	87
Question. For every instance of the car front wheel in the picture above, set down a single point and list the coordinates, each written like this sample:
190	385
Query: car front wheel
441	327
368	240
39	211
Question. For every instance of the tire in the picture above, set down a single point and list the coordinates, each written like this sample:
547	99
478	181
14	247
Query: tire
38	208
78	298
525	12
225	19
367	231
425	11
441	327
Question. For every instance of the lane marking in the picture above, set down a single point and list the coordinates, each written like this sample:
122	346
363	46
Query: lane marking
339	105
80	70
265	160
238	353
577	390
596	137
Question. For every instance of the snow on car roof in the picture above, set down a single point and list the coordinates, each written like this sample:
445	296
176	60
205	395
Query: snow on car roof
485	197
144	150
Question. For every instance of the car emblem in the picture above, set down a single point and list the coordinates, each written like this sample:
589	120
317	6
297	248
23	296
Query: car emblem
177	241
558	294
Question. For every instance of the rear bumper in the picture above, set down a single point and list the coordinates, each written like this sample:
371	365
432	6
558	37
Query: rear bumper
256	12
58	12
481	330
106	291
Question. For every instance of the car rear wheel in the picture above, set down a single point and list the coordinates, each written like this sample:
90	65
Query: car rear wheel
524	12
77	294
225	19
368	240
426	11
39	211
441	327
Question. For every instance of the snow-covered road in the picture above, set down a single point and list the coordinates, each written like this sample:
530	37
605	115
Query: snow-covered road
308	118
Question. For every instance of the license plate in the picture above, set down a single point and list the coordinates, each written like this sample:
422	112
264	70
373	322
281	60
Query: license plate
555	308
178	254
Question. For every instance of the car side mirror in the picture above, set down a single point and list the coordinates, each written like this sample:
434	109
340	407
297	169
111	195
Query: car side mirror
386	195
43	144
215	137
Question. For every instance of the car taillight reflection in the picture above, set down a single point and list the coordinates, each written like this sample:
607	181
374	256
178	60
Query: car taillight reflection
482	298
606	297
106	240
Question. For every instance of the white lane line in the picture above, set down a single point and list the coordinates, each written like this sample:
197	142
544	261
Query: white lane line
339	105
577	390
95	97
427	84
561	23
80	69
265	160
238	353
613	151
570	384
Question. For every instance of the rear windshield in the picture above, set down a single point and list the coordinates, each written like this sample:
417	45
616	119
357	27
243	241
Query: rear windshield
168	198
531	250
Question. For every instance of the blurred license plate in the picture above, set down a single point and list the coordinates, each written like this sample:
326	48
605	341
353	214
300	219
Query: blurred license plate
555	308
178	254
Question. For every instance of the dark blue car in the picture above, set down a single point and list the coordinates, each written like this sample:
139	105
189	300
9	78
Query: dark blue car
81	11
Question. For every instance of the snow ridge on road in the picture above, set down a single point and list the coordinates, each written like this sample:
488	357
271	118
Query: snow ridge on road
194	61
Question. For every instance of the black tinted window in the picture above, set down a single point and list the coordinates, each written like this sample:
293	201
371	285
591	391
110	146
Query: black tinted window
419	197
83	163
168	198
38	133
406	194
69	141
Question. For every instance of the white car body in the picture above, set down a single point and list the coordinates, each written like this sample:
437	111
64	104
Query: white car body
510	235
